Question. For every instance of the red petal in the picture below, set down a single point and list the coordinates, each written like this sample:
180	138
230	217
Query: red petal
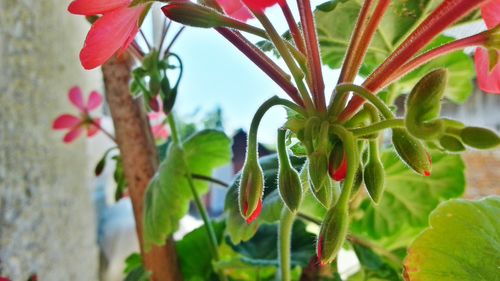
488	81
73	134
255	213
340	173
319	248
76	97
96	7
491	13
95	100
260	5
110	33
66	121
159	132
92	129
235	9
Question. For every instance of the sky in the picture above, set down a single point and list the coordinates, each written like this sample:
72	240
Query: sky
217	74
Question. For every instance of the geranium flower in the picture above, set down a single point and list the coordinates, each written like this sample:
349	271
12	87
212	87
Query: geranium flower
261	5
158	128
76	124
489	78
235	9
112	33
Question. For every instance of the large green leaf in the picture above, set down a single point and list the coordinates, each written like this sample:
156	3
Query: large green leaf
462	243
408	199
168	195
335	29
195	257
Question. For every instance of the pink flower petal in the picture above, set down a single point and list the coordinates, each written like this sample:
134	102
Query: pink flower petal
66	121
491	13
159	132
76	97
73	134
488	81
95	100
110	33
92	129
95	7
235	9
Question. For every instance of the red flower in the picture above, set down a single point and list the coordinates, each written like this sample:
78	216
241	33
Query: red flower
4	278
489	78
261	5
76	124
110	34
235	9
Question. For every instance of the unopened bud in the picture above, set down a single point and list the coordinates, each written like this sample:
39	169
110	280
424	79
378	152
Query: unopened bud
411	151
251	190
192	14
358	180
480	138
337	165
318	169
332	233
423	106
289	184
451	144
374	177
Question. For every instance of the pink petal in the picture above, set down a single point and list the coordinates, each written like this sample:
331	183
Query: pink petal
76	97
95	100
491	13
110	33
159	132
96	7
92	129
488	81
66	121
73	134
235	9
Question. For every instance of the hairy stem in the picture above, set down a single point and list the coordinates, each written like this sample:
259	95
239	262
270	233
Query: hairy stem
284	242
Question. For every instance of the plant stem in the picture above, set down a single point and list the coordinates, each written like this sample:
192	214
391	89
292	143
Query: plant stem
376	127
263	62
108	134
343	89
297	73
312	51
284	242
210	179
294	28
214	245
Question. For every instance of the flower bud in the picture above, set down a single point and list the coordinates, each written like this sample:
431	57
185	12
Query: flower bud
423	106
290	188
480	138
192	14
337	165
332	233
374	176
451	144
328	194
318	169
251	190
358	180
411	151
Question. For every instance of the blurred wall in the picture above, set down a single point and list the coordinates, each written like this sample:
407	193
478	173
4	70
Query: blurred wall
47	221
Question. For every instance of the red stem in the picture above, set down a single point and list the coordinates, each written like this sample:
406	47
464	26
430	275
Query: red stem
312	51
472	41
263	62
108	134
446	14
294	28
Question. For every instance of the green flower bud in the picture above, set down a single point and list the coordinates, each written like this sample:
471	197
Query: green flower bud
318	169
423	106
328	194
358	180
192	14
479	138
374	176
251	189
289	184
411	151
337	165
451	144
333	233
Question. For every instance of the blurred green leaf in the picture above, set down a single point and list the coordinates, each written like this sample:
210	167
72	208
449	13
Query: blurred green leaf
408	199
462	243
168	195
134	269
195	257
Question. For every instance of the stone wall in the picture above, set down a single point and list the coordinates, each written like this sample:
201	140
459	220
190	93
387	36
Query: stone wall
47	221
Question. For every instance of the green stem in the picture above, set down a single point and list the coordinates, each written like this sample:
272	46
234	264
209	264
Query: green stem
297	73
376	127
343	89
281	145
273	101
214	245
284	242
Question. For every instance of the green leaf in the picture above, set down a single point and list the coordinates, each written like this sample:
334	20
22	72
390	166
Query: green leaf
408	199
168	195
373	267
462	243
336	26
194	255
262	248
134	269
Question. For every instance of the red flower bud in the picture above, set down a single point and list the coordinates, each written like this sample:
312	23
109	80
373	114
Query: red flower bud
337	166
